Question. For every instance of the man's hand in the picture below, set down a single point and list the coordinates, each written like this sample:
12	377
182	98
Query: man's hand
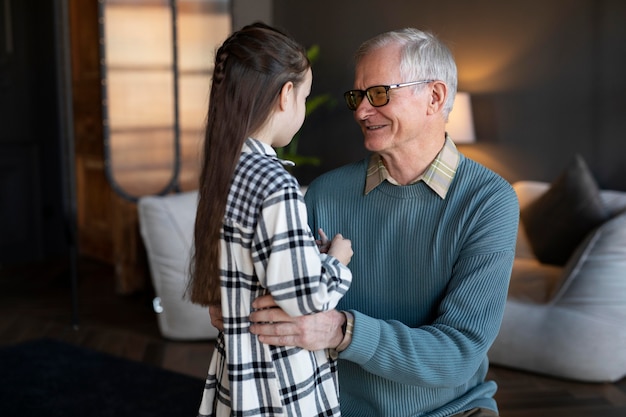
311	332
215	311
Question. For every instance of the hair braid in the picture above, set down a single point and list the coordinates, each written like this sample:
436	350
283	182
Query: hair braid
219	72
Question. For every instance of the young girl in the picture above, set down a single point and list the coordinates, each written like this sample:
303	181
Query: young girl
251	233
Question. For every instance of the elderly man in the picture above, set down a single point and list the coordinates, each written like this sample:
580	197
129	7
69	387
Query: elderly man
434	240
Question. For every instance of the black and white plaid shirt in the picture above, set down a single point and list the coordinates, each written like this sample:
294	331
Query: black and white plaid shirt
267	247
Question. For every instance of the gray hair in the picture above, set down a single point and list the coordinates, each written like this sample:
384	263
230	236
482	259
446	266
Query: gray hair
424	57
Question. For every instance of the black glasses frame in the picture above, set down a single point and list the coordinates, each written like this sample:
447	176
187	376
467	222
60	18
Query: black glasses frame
355	97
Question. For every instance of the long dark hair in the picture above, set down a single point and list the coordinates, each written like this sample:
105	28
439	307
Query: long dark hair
251	67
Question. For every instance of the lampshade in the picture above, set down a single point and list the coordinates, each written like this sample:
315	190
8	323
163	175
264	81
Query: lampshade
460	125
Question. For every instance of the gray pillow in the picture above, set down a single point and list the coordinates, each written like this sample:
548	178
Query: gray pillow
597	270
560	218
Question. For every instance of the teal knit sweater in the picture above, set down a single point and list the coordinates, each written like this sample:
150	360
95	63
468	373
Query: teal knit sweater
429	288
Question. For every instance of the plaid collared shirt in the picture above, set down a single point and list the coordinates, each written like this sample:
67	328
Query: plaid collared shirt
267	247
438	176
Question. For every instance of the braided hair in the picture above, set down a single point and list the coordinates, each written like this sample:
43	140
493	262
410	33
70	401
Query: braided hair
251	67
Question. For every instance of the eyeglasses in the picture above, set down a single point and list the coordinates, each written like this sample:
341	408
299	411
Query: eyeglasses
377	95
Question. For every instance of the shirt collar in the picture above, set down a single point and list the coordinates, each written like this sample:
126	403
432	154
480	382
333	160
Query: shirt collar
252	145
438	176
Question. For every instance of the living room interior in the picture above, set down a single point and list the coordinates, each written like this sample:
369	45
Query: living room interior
545	80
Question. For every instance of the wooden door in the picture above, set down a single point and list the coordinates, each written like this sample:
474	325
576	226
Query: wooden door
107	224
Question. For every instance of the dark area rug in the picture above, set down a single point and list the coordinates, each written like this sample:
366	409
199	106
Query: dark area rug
52	378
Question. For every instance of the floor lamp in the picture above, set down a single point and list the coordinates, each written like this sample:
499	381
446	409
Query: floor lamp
460	125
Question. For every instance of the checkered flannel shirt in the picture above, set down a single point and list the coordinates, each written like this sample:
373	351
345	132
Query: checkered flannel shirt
267	247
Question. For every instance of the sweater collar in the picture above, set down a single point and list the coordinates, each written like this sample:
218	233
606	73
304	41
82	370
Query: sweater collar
438	176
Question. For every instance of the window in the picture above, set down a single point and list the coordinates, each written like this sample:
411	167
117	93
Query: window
157	58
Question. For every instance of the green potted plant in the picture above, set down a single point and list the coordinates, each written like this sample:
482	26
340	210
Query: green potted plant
290	152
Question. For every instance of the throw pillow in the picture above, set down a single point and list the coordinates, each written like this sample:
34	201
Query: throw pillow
560	218
596	271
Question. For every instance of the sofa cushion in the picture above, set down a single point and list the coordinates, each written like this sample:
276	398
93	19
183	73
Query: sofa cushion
166	226
599	264
557	221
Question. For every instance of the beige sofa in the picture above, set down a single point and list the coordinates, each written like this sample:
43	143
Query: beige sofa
569	321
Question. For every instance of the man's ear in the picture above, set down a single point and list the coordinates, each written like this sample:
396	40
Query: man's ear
285	95
438	95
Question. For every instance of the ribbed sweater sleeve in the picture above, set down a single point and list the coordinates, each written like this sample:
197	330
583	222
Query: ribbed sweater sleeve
430	279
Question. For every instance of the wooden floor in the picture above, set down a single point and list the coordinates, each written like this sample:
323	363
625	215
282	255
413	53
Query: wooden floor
36	302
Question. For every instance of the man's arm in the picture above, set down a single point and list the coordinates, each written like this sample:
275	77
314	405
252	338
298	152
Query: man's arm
312	332
275	327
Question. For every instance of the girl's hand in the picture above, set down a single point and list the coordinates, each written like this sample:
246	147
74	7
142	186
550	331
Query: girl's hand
341	248
323	244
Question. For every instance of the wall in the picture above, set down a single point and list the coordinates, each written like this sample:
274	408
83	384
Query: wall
244	12
546	77
33	224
